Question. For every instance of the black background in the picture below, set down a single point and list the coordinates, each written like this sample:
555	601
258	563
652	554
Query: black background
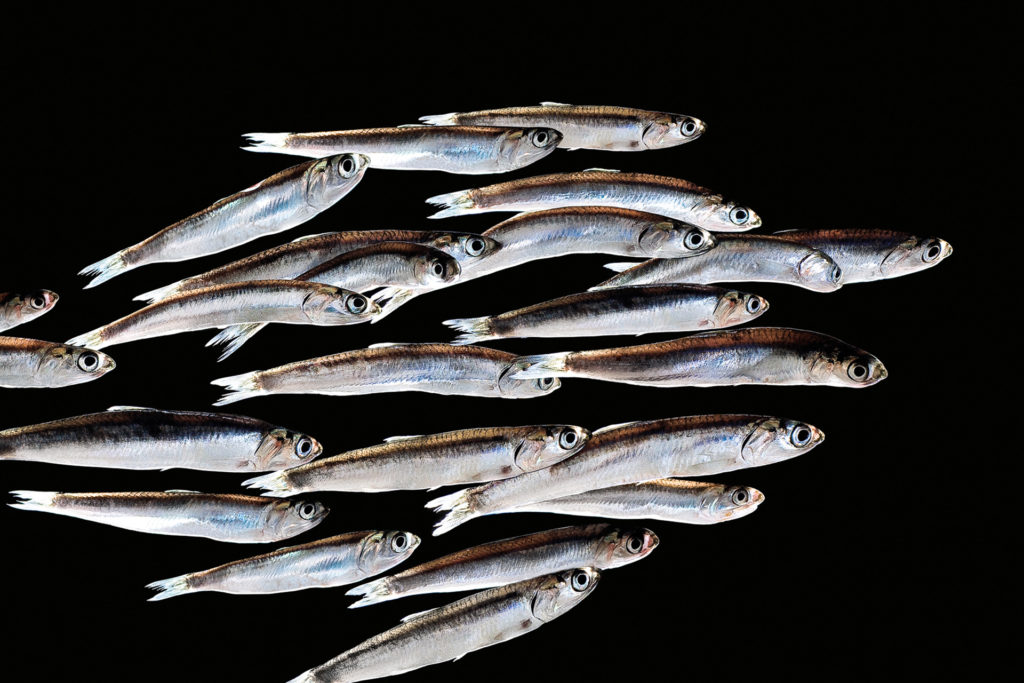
857	564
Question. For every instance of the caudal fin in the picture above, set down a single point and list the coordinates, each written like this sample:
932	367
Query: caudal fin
169	588
372	592
459	510
235	336
266	142
454	203
240	387
33	500
274	485
474	330
544	365
440	119
105	269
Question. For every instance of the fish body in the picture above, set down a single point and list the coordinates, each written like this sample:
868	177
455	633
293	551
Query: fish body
17	308
32	363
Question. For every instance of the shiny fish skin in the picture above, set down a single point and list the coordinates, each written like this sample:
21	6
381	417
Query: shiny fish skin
636	452
452	149
334	561
427	462
278	203
133	438
672	197
613	129
451	631
738	258
754	355
34	364
866	255
280	301
620	311
601	546
230	518
670	500
18	308
432	368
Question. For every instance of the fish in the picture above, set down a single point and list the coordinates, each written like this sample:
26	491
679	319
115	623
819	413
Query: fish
866	255
273	205
450	632
777	356
427	462
230	518
636	452
620	311
670	500
327	562
18	308
134	438
737	258
288	261
671	197
453	149
611	129
33	363
432	368
601	546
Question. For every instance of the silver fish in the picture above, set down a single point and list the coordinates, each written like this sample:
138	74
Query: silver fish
866	255
619	311
636	452
737	258
432	368
17	308
672	197
334	561
601	546
133	438
452	149
221	517
670	500
278	203
613	129
754	355
428	462
450	632
32	363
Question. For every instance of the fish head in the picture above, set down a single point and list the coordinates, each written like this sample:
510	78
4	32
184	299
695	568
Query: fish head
331	178
561	592
723	503
623	546
74	364
435	268
328	305
291	517
546	446
773	440
522	147
466	248
915	254
735	308
23	307
675	239
670	130
817	271
842	365
283	448
525	388
384	549
713	212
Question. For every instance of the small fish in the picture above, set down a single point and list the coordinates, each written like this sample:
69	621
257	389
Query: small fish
452	149
754	355
428	462
866	255
31	363
278	203
432	368
670	500
221	517
737	258
17	308
679	199
450	632
131	438
612	129
636	452
601	546
619	311
334	561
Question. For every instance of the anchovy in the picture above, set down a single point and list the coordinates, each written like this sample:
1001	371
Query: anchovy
637	452
614	129
449	632
601	546
679	199
221	517
620	311
278	203
131	438
32	363
334	561
427	462
17	308
454	149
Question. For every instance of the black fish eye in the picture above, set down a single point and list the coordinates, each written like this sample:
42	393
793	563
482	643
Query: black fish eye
347	166
932	252
739	215
357	304
545	382
801	436
88	361
568	439
740	497
689	127
307	510
541	138
580	581
753	305
835	274
38	301
304	446
399	542
475	246
437	269
858	371
634	545
693	240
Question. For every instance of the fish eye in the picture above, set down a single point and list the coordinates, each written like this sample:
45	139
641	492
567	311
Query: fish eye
693	239
580	581
753	304
38	301
541	138
304	446
930	254
307	510
835	274
740	497
544	383
857	371
475	246
634	544
347	166
568	439
801	435
88	361
356	304
399	543
437	268
688	127
739	215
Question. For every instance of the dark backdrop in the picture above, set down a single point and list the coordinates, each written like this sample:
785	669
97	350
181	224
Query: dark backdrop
853	566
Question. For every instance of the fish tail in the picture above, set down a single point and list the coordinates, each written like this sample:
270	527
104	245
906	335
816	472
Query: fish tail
453	203
92	340
158	294
107	268
544	365
473	329
274	484
620	266
390	299
33	500
169	588
459	509
240	387
235	336
440	119
266	142
372	592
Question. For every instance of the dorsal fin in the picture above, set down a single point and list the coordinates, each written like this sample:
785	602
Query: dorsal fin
783	232
397	439
608	428
384	345
554	104
601	170
309	237
412	125
180	491
417	615
117	409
